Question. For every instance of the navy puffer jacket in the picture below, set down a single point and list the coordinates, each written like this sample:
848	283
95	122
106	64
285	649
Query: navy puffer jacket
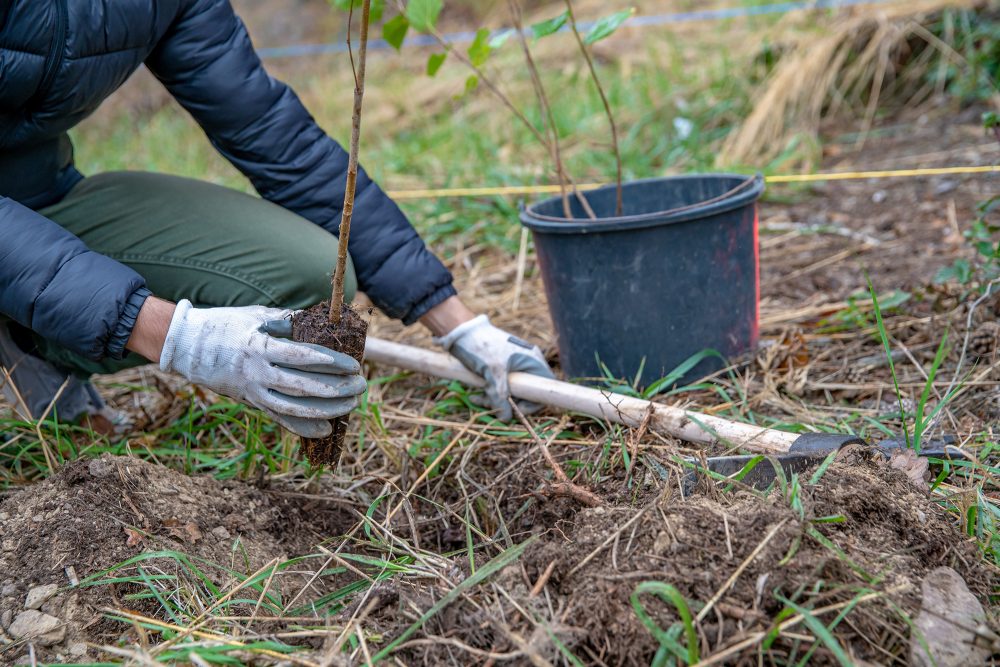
59	59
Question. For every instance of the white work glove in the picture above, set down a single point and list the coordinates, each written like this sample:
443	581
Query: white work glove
492	353
235	352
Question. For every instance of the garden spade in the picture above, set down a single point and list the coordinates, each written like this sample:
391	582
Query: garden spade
807	452
792	452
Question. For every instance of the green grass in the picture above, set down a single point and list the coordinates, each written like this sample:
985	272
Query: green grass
199	441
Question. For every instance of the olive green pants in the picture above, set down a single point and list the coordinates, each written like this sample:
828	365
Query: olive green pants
197	241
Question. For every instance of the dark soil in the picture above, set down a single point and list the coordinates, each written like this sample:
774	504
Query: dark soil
890	537
347	336
94	514
900	230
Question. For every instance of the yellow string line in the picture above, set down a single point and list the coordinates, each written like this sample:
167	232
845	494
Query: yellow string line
433	193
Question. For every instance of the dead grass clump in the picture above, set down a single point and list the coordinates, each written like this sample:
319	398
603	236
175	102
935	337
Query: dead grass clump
852	66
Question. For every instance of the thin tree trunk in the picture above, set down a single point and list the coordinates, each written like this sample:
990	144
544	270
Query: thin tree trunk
337	298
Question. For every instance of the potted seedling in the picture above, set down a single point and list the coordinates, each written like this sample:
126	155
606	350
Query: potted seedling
640	276
335	324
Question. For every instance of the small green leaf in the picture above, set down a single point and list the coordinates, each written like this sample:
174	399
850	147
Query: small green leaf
549	26
423	14
480	49
606	26
501	38
434	63
471	83
394	31
893	299
960	271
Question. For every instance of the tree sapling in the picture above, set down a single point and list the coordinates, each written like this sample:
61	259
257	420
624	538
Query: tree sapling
335	324
422	15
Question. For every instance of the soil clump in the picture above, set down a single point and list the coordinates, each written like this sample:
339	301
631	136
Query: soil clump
95	514
347	336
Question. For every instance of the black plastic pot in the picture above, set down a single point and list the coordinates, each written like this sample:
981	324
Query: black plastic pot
678	273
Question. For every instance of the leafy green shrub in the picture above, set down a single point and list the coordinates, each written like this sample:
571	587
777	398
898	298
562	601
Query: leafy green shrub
984	236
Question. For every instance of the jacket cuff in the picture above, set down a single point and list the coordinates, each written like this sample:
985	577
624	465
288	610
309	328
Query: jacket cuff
437	297
126	322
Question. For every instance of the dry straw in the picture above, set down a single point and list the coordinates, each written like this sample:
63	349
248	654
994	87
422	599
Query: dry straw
849	67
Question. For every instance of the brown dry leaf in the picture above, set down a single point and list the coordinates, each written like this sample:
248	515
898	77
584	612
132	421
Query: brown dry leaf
914	465
188	532
135	538
194	534
789	352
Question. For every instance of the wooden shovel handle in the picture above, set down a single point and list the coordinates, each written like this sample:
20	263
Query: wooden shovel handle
618	408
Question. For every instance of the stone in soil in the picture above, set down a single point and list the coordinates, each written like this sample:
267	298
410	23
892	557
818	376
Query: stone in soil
38	595
944	632
37	627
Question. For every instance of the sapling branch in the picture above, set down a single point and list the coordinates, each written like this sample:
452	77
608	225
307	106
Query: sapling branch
604	100
548	118
507	102
337	298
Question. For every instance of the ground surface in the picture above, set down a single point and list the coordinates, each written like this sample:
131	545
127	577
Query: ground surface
94	515
442	537
570	591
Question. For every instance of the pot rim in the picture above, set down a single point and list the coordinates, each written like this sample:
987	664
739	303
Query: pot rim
560	225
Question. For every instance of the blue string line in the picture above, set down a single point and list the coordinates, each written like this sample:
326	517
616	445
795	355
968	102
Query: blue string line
467	36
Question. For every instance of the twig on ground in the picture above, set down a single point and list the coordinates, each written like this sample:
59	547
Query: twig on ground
636	438
542	580
756	637
604	545
738	571
563	486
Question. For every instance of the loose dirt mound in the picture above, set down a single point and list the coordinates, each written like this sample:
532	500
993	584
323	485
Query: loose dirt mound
95	514
865	533
889	537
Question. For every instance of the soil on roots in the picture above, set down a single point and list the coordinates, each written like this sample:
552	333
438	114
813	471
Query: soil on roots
94	514
347	336
882	536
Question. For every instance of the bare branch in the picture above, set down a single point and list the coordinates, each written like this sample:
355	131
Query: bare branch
604	101
507	102
543	102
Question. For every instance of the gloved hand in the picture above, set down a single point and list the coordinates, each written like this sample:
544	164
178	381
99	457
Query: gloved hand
493	353
235	352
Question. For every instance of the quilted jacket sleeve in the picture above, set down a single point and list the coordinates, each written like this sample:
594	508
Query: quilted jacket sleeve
209	65
53	284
